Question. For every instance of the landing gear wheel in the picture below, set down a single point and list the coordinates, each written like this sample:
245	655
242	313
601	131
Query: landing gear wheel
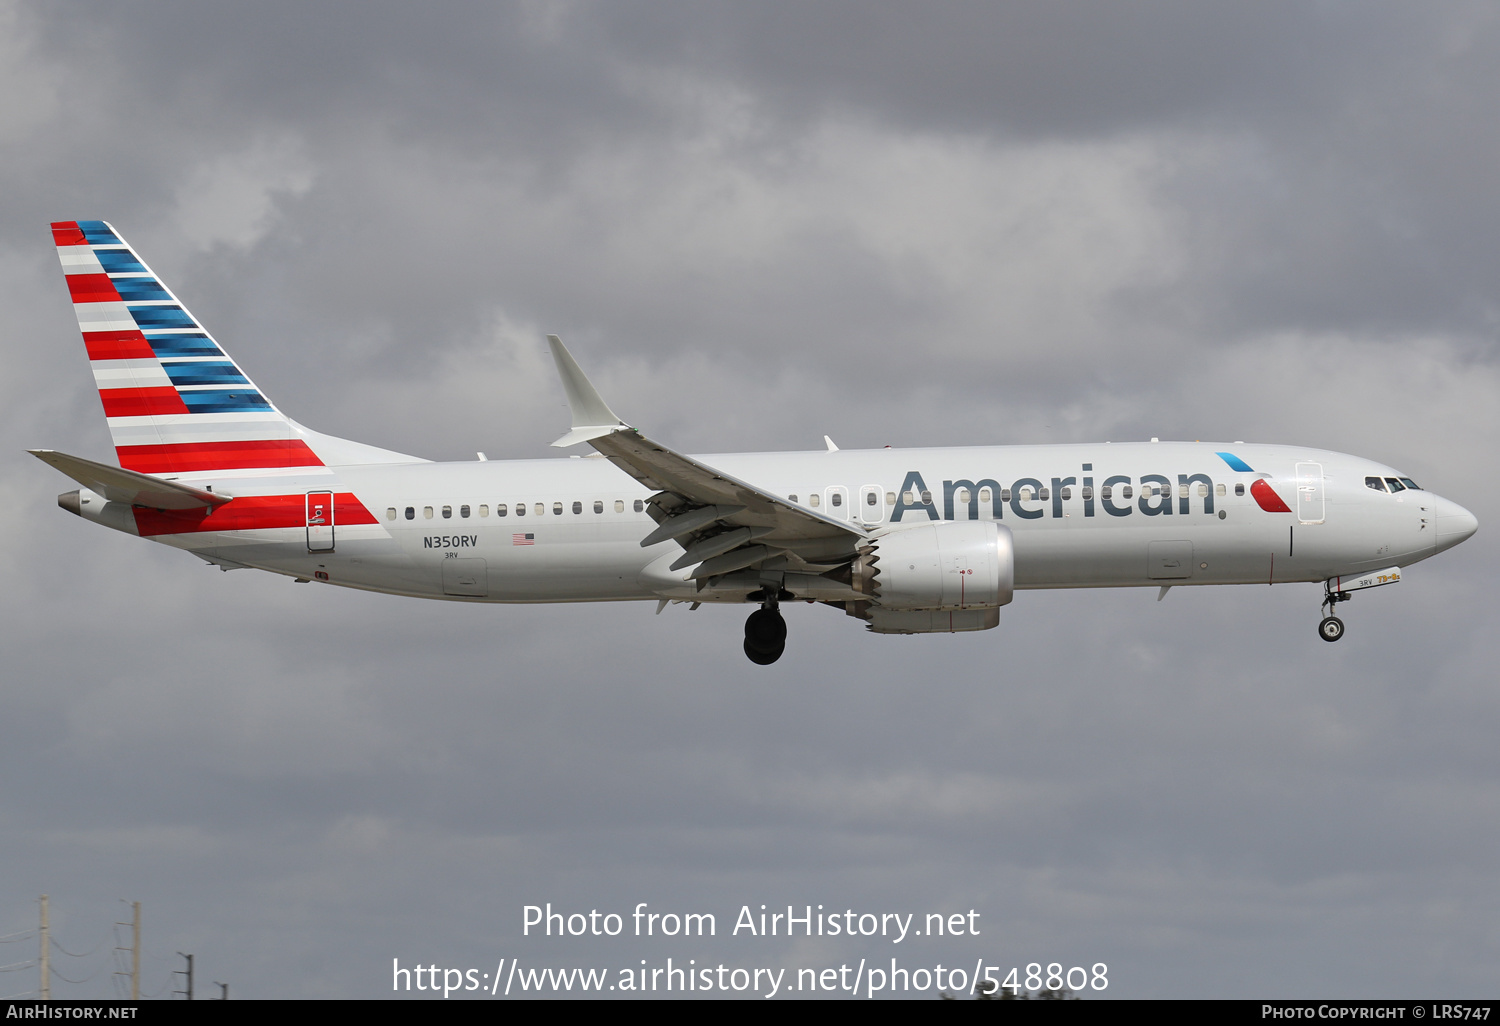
765	628
1331	629
764	656
765	636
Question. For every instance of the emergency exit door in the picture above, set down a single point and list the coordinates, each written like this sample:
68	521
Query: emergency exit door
319	521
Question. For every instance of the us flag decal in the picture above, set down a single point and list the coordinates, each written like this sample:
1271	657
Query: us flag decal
523	539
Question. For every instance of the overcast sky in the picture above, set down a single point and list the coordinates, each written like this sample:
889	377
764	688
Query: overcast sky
754	224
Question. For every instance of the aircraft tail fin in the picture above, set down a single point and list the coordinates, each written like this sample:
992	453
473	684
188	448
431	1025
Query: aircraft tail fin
175	401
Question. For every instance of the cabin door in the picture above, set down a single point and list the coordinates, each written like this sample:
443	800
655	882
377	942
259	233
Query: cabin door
319	521
1310	493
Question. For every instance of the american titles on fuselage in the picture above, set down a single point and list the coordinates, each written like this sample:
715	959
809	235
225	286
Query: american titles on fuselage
1114	496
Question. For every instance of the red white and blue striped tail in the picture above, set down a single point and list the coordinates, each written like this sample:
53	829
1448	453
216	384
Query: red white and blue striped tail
175	401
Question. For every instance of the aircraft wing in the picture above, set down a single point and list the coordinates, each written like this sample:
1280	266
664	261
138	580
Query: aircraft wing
119	485
724	524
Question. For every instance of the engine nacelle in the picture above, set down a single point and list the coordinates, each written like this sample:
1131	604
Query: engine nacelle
950	566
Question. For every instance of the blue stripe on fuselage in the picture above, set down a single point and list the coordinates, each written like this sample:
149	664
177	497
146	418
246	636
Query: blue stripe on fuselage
1235	463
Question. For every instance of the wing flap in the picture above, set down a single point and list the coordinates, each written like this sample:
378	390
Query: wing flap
686	523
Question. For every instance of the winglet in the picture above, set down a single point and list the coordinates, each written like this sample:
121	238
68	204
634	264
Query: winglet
592	417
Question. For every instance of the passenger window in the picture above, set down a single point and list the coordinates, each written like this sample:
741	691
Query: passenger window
791	498
598	506
1396	486
890	498
1005	495
1375	483
1127	491
1088	492
963	495
639	506
837	499
540	508
813	500
411	513
1107	492
484	510
577	508
557	509
984	495
619	505
447	512
1182	491
463	511
1046	494
427	512
926	498
872	499
1219	490
501	509
390	513
1202	490
1065	492
520	509
1239	489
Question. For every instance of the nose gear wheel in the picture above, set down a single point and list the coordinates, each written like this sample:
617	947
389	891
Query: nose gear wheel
1331	628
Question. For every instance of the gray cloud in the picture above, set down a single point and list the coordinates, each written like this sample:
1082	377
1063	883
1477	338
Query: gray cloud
756	224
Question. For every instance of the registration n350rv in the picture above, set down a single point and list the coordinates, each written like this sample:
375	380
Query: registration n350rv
909	541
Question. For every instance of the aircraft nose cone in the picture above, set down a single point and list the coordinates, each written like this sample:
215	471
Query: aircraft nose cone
1454	523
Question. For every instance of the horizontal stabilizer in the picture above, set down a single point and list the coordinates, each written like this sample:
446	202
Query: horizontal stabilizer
118	485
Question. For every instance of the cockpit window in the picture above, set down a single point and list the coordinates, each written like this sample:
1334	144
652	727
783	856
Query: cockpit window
1396	486
1375	483
1411	484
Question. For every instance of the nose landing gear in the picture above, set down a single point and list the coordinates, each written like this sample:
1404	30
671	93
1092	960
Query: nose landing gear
765	634
1331	628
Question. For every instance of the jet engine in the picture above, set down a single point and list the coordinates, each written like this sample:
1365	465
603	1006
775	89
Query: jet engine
939	577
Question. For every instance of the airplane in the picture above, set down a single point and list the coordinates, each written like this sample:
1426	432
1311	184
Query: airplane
909	541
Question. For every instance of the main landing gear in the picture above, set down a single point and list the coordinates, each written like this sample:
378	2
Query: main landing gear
1331	628
765	633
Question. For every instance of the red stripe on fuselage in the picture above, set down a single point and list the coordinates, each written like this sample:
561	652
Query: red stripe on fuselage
141	402
92	288
117	345
237	454
249	513
1267	498
67	233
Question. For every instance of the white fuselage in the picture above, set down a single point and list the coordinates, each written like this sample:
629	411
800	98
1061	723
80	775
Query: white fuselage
571	528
